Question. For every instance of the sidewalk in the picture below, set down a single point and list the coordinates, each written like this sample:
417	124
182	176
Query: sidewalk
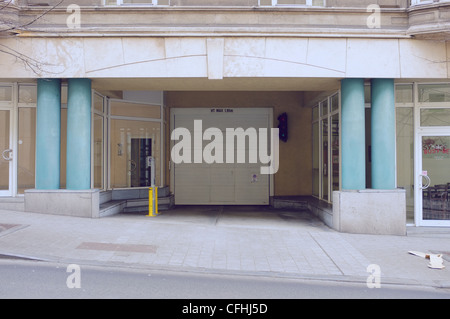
227	239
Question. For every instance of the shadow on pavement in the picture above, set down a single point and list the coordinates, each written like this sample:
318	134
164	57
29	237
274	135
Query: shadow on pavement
235	216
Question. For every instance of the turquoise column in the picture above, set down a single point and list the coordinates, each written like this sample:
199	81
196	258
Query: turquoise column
48	133
353	134
383	134
78	165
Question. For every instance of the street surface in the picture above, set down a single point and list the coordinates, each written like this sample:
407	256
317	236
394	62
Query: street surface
36	279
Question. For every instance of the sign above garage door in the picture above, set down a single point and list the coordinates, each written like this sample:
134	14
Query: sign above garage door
222	156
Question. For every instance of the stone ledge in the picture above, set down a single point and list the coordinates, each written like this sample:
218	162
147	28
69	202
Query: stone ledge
78	203
380	212
429	21
213	21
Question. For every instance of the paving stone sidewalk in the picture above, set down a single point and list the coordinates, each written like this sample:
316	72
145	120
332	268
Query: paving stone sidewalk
238	240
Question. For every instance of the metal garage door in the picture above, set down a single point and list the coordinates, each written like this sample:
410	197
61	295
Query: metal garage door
220	183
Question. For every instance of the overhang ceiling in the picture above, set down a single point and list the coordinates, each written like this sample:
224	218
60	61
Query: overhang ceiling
226	84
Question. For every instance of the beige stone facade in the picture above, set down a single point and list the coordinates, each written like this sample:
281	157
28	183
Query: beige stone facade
289	56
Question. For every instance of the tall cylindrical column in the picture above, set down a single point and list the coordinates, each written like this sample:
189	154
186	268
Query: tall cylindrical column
353	134
48	133
383	134
78	165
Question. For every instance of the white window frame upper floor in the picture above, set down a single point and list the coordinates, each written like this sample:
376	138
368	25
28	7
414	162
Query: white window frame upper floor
419	2
273	3
142	3
262	3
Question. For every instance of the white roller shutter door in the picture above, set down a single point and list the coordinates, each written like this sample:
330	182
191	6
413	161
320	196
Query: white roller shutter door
221	183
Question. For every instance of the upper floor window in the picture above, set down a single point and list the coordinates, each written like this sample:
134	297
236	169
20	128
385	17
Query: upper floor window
137	2
415	2
314	3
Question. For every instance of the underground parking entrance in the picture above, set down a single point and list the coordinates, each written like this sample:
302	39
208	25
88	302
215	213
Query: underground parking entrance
213	148
210	155
245	216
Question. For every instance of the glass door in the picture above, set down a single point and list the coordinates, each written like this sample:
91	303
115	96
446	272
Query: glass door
140	169
434	180
6	153
135	135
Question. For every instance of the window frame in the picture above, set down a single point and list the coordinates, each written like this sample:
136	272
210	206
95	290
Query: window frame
120	3
319	118
308	3
422	2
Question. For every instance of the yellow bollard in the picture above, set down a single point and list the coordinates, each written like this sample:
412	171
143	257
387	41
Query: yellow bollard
155	208
156	201
152	202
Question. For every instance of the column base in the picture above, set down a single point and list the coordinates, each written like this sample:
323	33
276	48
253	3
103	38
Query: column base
371	211
78	203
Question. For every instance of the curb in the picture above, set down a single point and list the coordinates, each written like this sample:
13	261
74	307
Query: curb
388	281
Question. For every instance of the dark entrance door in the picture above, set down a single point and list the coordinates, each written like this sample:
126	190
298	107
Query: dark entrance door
141	151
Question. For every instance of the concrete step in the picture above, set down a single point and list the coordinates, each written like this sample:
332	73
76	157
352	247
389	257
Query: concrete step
139	205
133	205
134	193
112	207
13	203
290	202
105	196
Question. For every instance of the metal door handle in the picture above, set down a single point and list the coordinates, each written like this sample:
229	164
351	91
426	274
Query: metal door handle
133	166
148	161
428	181
7	158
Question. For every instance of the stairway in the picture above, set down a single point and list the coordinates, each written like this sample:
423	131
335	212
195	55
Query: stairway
132	200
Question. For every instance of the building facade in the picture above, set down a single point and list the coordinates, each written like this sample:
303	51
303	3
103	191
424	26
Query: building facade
90	90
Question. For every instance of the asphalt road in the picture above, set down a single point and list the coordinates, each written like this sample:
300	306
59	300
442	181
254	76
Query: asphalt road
36	279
